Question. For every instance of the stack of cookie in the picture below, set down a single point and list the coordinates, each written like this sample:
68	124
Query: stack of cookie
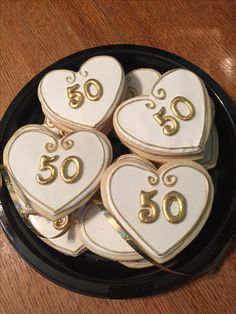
143	214
84	99
169	116
55	176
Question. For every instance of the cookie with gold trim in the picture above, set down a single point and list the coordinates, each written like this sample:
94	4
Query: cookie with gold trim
100	237
83	99
174	120
161	210
55	175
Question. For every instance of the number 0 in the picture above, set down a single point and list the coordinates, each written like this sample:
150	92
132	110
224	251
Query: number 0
64	167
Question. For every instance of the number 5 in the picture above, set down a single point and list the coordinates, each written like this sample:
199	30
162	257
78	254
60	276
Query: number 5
76	97
150	209
44	166
162	120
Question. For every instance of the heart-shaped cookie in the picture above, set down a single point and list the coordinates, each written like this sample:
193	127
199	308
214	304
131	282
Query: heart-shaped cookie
86	98
68	243
162	210
174	119
56	175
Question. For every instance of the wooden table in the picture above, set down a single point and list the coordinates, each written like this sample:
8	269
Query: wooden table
36	33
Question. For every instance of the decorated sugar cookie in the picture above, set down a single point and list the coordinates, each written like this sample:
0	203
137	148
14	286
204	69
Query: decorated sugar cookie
174	119
161	210
141	82
101	238
56	175
82	99
62	235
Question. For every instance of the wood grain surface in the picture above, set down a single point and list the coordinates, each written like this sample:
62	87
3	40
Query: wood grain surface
36	33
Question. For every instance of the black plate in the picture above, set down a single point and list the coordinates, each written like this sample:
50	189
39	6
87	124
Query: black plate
90	274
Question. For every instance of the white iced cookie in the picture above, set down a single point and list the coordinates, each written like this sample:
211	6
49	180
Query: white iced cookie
141	82
174	119
56	175
162	210
100	237
68	242
82	99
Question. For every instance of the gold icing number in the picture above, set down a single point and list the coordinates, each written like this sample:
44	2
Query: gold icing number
45	164
162	119
150	209
87	89
166	205
77	98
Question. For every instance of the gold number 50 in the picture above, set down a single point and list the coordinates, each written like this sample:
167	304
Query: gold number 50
45	165
77	98
150	209
162	119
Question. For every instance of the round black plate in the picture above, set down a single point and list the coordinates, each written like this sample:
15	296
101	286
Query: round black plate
90	274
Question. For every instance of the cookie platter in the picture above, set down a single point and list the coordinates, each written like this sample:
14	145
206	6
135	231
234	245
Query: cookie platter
166	152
